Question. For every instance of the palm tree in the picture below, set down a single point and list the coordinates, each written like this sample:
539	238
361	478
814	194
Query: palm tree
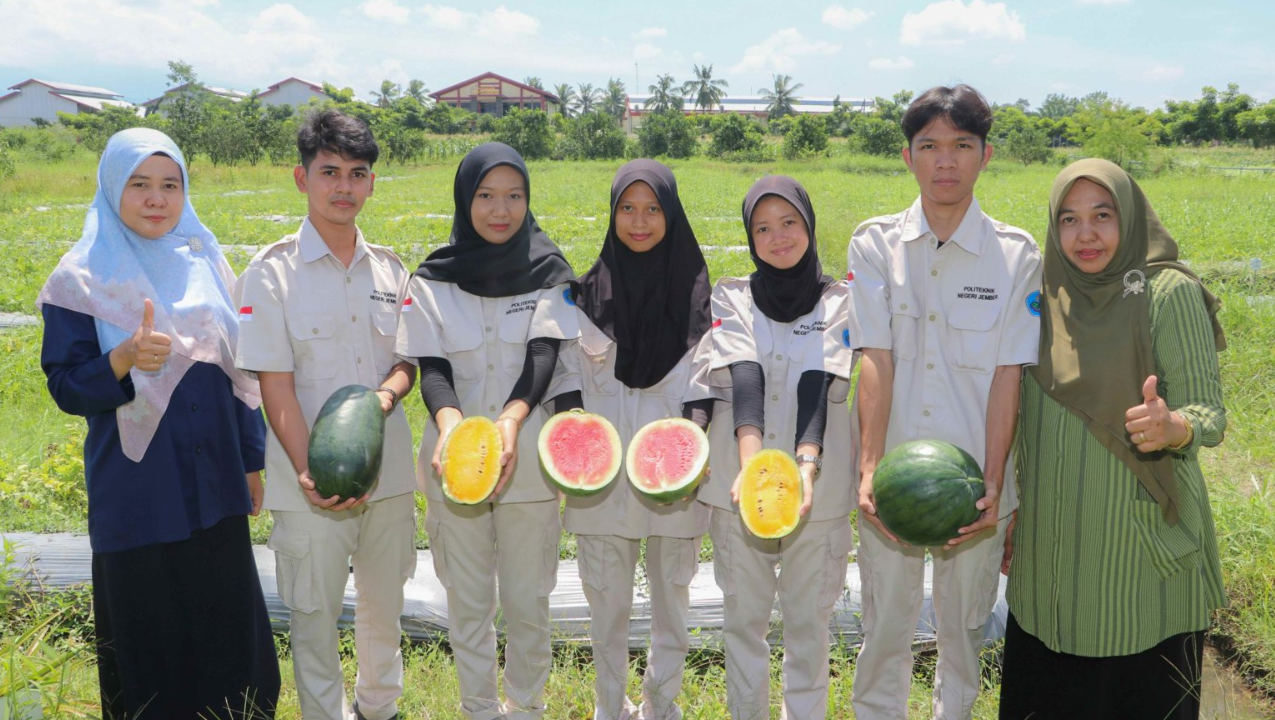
567	95
533	81
587	99
416	90
614	99
706	91
664	95
388	94
780	100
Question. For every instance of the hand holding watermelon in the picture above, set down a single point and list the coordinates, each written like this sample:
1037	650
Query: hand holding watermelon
508	426
446	419
334	503
868	508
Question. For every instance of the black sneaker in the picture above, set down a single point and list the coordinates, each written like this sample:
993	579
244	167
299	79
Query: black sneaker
359	715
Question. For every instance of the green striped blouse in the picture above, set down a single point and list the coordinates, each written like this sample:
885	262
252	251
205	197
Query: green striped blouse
1096	570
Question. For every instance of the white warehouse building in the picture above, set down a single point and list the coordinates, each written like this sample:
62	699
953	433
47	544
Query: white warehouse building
35	99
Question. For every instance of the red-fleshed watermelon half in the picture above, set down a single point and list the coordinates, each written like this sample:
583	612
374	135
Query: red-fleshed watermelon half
580	452
667	459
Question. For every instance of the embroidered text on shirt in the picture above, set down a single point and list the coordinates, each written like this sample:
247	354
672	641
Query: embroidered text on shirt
521	306
975	292
806	329
385	297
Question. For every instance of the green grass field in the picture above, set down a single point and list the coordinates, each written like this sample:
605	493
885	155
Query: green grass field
1221	220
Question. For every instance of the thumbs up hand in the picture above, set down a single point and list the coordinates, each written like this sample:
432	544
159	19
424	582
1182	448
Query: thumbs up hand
1151	425
150	349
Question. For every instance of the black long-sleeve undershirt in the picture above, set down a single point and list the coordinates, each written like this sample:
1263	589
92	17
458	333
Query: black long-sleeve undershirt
438	385
748	395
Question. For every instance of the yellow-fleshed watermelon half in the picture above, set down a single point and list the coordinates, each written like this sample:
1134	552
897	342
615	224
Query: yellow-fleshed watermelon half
579	452
770	494
471	460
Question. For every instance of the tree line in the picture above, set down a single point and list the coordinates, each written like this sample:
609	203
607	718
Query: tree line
679	120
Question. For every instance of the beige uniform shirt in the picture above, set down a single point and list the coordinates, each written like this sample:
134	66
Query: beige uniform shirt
620	509
949	316
485	340
302	311
819	340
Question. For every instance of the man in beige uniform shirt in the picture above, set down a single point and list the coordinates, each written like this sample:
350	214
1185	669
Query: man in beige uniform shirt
319	311
944	297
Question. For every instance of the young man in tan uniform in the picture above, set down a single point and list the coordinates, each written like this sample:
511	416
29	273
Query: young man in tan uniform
944	297
319	311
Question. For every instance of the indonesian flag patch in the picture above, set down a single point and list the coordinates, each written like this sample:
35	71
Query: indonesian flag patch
407	304
850	277
717	325
245	314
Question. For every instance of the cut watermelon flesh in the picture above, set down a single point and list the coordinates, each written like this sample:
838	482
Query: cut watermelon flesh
579	452
666	459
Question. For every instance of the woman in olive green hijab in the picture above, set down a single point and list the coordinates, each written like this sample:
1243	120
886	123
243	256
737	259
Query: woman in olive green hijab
1115	565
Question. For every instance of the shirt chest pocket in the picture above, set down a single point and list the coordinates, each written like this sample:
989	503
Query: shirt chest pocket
462	342
972	337
514	326
315	350
599	379
904	315
384	330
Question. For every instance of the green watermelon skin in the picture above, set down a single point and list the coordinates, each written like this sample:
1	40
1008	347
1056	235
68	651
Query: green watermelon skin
346	443
925	490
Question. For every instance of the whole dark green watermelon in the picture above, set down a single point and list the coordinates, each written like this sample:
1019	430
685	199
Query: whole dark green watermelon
346	443
926	490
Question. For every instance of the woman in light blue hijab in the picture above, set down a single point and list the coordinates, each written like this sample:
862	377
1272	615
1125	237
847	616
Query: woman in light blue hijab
139	338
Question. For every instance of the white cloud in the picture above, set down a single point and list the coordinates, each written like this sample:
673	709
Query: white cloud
651	32
779	52
885	63
1165	72
843	19
503	22
645	52
444	17
499	23
385	10
952	22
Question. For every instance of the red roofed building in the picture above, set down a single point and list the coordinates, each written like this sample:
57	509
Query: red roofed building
42	99
492	94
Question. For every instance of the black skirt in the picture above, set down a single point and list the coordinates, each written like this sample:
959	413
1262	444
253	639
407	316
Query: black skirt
1162	683
182	629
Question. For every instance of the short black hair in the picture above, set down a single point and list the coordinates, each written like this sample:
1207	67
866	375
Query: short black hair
963	106
338	133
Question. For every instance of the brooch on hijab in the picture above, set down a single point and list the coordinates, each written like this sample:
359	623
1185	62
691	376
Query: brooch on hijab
1135	282
196	245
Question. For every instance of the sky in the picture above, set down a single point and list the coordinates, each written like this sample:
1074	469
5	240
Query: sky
1142	51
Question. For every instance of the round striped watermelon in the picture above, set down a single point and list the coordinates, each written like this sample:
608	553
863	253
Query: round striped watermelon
925	490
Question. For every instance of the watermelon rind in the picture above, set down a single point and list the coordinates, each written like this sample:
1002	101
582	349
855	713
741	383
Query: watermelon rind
672	489
346	443
789	467
484	425
557	476
926	490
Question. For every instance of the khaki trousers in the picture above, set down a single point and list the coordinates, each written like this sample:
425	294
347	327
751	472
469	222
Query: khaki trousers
893	576
313	553
813	565
607	565
485	552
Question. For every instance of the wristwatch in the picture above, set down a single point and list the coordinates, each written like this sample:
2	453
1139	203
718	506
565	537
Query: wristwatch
816	459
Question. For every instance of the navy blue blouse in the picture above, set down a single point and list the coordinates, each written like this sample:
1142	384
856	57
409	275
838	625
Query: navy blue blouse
192	475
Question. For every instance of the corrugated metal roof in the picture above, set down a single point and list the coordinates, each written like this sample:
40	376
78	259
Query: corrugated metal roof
95	102
70	88
758	104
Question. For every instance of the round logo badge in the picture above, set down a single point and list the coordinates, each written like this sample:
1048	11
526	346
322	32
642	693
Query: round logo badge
845	337
566	295
1033	303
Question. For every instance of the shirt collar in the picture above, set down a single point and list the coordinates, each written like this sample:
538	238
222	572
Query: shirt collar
313	247
968	234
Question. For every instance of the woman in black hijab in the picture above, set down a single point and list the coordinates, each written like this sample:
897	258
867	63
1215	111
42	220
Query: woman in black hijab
782	341
644	316
484	317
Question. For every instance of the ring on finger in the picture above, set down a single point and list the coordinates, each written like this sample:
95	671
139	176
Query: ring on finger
1142	434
